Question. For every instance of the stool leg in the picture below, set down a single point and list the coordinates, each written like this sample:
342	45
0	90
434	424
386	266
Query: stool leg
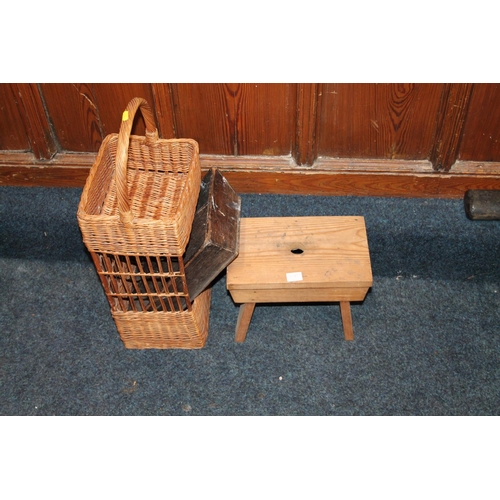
345	311
244	317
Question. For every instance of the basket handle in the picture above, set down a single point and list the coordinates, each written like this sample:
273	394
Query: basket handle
128	116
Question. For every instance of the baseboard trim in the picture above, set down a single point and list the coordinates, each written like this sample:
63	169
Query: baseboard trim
281	175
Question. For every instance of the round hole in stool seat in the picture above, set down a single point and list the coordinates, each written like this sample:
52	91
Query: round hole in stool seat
297	251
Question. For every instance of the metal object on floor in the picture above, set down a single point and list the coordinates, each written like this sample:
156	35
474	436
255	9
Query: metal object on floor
482	204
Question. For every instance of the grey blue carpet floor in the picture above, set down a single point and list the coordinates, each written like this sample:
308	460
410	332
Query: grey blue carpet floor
427	337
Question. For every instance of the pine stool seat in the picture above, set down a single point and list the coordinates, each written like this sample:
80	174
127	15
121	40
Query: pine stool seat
300	259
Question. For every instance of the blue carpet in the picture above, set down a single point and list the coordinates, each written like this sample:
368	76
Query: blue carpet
427	337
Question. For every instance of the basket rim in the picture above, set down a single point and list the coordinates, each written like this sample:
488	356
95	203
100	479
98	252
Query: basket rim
186	140
82	213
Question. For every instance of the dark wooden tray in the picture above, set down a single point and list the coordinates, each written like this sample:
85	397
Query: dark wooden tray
214	240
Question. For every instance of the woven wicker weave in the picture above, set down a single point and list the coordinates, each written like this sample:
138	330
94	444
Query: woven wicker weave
141	193
166	330
135	214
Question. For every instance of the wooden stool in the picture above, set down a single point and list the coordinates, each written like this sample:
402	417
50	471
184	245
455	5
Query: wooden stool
300	259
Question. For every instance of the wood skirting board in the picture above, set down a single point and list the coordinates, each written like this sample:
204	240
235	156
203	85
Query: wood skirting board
281	175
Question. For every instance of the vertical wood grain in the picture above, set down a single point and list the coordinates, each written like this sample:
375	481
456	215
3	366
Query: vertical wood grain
385	121
74	115
162	94
37	125
205	112
236	119
450	124
265	118
13	135
481	136
308	96
112	99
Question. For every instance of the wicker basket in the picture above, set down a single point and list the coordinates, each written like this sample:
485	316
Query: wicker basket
166	330
141	193
135	214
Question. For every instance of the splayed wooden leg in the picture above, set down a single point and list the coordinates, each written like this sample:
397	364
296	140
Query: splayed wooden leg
345	311
244	317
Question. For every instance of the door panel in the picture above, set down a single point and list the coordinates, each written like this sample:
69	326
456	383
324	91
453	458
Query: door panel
265	118
12	132
205	112
385	121
481	138
74	115
237	119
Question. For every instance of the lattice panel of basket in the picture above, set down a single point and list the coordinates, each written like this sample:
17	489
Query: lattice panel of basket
143	283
